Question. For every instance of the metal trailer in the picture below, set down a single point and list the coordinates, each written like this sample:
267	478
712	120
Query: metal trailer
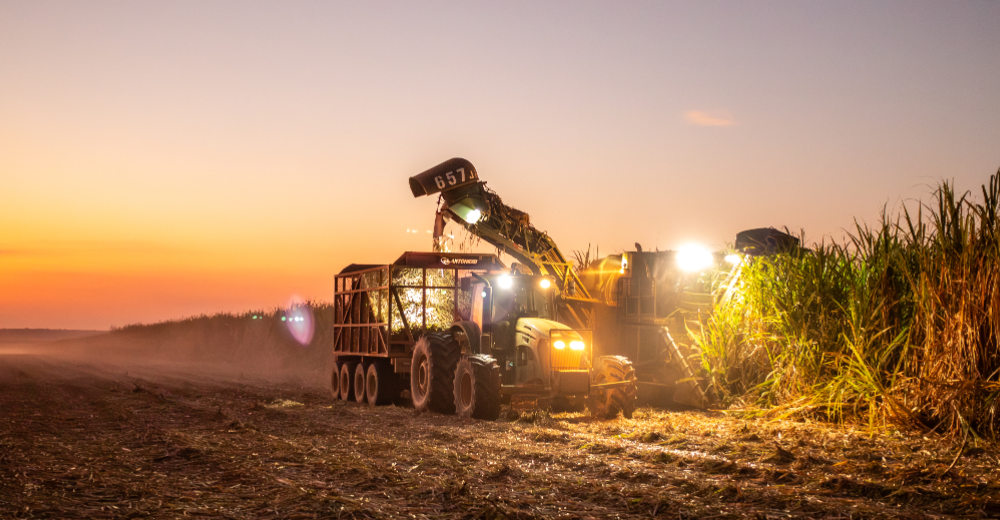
381	311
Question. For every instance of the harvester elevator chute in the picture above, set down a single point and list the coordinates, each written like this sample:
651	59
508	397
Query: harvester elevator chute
466	200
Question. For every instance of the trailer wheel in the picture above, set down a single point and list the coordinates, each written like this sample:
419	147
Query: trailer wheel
477	388
432	373
359	382
347	380
333	380
379	383
605	404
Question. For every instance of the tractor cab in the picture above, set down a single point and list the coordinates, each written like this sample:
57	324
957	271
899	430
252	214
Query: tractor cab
517	314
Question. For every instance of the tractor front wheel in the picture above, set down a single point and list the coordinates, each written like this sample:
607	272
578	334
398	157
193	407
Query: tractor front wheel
608	402
477	388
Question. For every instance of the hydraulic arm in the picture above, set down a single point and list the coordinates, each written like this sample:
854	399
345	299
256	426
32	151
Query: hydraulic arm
466	200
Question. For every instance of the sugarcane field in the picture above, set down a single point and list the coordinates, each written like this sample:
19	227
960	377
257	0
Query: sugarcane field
441	386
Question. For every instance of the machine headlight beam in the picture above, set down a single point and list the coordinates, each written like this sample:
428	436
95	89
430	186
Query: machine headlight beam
694	258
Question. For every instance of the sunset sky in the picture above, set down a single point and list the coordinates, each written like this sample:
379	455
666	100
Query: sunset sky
166	159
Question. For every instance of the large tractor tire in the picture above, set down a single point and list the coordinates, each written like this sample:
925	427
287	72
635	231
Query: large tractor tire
432	373
477	388
360	373
607	403
380	383
334	380
347	380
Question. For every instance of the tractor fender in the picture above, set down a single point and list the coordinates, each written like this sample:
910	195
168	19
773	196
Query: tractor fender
469	336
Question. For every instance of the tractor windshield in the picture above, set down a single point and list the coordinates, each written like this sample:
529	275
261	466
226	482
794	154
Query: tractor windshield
522	298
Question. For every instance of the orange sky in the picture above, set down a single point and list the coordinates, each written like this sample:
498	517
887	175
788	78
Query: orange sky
166	159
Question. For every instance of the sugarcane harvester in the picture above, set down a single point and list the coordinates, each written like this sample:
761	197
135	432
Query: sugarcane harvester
639	310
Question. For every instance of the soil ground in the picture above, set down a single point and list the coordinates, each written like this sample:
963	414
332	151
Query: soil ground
144	440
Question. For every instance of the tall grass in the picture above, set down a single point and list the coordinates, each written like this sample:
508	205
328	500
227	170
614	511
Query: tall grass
899	324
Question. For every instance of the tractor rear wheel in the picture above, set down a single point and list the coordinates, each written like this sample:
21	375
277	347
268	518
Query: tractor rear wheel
334	381
347	380
607	403
477	388
359	382
432	373
379	383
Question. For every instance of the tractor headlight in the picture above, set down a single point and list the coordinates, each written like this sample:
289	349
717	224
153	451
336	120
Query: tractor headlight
545	283
560	344
576	345
505	281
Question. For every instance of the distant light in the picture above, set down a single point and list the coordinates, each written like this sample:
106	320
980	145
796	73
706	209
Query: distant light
506	282
733	259
545	283
694	258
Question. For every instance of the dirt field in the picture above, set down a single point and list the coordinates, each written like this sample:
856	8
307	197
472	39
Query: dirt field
138	440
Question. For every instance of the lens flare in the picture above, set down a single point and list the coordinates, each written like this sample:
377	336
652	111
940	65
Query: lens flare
299	320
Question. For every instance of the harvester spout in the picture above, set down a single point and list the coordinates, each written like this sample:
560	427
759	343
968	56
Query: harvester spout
451	174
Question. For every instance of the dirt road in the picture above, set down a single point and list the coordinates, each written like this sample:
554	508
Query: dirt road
137	441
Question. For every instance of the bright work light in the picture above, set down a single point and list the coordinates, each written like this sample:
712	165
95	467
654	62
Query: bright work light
473	216
505	282
545	283
559	345
694	258
576	345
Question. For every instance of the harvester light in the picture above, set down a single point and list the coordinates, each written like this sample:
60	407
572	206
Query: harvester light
733	259
473	216
560	344
545	283
576	345
624	263
505	282
694	258
282	318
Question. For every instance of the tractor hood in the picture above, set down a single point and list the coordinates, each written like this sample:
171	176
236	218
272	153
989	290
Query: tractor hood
541	328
